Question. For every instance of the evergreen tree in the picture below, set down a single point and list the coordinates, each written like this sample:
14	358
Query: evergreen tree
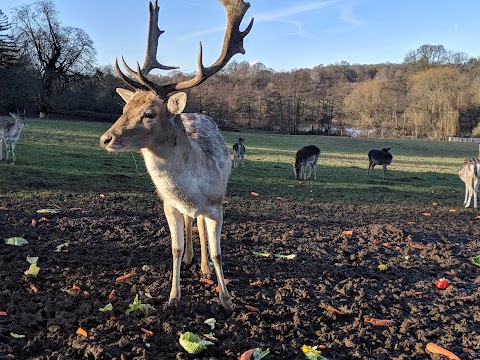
8	50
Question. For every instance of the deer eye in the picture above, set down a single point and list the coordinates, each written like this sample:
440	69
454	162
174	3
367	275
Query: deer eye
149	114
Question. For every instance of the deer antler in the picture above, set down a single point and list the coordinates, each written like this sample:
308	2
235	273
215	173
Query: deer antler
232	44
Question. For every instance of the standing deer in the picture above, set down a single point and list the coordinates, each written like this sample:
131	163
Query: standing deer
9	134
379	157
469	175
185	154
238	152
306	157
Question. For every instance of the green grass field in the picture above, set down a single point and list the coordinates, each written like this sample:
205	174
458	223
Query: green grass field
57	156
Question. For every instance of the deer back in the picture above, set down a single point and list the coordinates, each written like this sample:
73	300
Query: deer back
380	157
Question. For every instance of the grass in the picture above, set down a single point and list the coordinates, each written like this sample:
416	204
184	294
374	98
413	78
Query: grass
65	156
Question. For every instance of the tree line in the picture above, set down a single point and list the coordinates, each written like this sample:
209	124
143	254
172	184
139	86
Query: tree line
49	70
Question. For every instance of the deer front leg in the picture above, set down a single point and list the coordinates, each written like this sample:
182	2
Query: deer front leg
188	255
384	171
466	194
214	228
475	192
205	268
175	223
469	193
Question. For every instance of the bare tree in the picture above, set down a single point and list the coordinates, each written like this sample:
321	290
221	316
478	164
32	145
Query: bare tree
60	54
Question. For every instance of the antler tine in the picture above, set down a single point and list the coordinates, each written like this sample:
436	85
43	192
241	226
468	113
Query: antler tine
125	78
154	33
232	44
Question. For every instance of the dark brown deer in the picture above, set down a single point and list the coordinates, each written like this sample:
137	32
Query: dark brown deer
379	157
9	134
469	175
306	157
238	152
185	154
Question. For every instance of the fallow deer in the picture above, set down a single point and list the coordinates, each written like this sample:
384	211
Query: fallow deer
379	157
469	175
306	157
185	154
238	152
10	132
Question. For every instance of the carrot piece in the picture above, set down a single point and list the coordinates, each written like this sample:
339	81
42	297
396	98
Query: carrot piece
195	228
124	277
387	244
111	295
347	232
378	322
3	313
75	287
225	281
148	332
207	281
435	349
34	288
332	309
270	221
426	214
409	293
81	332
452	210
246	355
416	246
256	283
251	308
253	193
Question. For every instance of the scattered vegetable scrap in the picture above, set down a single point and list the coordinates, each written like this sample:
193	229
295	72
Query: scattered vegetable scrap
280	198
211	322
17	336
75	287
253	193
271	221
378	322
452	210
441	283
108	307
382	267
34	288
435	349
195	228
409	293
81	332
426	214
289	257
332	309
111	295
3	313
48	211
190	342
476	260
251	308
207	281
256	283
147	332
410	222
347	232
124	277
387	244
261	254
225	281
254	354
450	272
312	353
16	241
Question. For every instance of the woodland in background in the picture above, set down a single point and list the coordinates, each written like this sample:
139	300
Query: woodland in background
49	69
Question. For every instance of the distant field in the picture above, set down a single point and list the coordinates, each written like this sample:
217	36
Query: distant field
65	156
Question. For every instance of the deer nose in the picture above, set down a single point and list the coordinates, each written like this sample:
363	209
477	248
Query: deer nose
105	139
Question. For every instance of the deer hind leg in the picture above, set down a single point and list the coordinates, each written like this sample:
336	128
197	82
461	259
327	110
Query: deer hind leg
188	254
235	161
384	171
468	192
204	266
475	192
175	223
1	148
214	228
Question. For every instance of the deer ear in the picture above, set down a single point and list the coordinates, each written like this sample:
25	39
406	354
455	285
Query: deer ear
176	103
125	94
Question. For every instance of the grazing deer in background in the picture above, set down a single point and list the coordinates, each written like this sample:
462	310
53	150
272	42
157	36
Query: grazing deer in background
306	157
379	157
10	132
185	154
469	175
238	152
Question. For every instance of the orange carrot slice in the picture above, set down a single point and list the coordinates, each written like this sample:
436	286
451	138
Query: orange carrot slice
75	287
452	210
124	277
270	221
426	214
111	295
207	281
416	246
378	322
3	313
251	308
435	349
146	331
256	283
347	232
332	309
225	281
81	332
246	355
253	193
34	288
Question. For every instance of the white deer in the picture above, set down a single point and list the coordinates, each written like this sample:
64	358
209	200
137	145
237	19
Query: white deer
238	152
468	173
9	134
306	157
185	154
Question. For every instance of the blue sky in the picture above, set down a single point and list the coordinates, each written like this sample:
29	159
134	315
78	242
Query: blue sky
286	35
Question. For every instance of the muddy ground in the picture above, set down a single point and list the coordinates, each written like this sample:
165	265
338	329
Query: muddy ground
118	234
